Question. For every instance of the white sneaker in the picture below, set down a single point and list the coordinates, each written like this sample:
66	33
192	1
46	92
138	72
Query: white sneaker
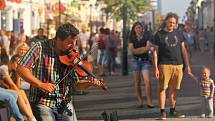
202	116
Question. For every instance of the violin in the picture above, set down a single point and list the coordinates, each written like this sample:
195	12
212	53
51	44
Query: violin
73	59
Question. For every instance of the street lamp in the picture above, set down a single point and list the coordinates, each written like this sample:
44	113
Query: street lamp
153	4
59	11
198	16
96	16
91	27
102	18
13	11
125	42
202	10
214	32
153	19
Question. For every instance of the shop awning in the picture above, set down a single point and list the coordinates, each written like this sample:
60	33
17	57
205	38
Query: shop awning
2	4
16	1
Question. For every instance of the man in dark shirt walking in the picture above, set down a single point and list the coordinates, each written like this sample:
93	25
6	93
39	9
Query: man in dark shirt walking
169	55
39	37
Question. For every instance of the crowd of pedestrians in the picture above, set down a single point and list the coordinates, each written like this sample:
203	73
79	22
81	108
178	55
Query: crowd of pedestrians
197	39
12	49
166	51
104	48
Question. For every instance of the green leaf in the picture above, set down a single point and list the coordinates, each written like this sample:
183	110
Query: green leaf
114	8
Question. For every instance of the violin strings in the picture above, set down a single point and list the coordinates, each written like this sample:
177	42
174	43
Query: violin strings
77	63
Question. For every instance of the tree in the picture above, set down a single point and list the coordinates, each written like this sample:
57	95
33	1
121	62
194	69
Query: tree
114	8
126	10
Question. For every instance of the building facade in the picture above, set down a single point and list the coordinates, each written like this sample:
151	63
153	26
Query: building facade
32	14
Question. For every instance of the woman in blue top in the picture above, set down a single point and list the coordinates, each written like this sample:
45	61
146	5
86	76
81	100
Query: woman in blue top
139	46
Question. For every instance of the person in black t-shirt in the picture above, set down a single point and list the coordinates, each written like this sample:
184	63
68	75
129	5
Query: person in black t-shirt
139	46
39	37
168	57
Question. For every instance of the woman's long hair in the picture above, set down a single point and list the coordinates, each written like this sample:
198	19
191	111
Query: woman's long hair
4	57
132	34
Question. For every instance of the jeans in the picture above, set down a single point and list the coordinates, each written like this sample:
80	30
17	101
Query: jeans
111	60
10	96
139	65
44	113
101	57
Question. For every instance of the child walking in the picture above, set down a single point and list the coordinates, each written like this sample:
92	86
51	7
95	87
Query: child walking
206	86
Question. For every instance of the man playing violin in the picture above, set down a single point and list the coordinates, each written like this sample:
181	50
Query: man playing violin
42	68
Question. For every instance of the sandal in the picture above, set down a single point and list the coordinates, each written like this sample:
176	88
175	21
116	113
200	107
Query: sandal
150	106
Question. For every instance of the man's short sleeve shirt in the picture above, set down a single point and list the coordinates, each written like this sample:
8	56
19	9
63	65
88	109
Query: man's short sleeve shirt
46	66
169	47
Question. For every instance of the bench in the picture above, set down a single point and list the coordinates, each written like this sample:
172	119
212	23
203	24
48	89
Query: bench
4	111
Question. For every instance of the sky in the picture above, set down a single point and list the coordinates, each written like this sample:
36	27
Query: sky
177	6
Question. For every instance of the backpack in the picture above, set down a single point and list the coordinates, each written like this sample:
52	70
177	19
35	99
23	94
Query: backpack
111	43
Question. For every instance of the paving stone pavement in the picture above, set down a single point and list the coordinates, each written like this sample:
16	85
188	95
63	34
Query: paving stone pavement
121	97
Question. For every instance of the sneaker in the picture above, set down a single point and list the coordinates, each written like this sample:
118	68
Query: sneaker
210	116
163	116
176	115
202	116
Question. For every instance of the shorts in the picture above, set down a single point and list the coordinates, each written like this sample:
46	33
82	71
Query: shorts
170	75
139	65
101	57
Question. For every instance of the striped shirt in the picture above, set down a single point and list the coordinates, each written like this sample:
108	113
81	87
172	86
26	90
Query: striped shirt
46	67
206	87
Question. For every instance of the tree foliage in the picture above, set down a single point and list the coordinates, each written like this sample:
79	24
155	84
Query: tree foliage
114	8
